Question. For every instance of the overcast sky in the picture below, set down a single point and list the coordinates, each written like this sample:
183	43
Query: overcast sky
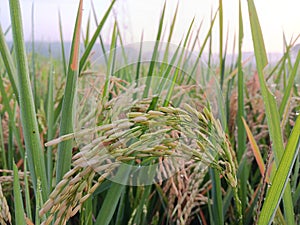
135	16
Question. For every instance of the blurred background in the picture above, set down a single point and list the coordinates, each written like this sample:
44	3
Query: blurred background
277	18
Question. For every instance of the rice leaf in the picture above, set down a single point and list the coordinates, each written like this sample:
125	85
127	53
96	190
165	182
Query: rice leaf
217	211
9	63
50	125
18	202
113	196
281	176
28	115
100	37
66	124
256	151
221	59
241	138
272	113
33	77
64	62
89	47
154	54
110	63
27	191
6	104
287	91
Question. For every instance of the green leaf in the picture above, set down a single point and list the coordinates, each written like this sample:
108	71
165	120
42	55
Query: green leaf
222	63
241	138
89	47
66	125
8	62
50	125
154	54
64	62
271	109
27	191
19	208
113	196
217	211
257	37
110	63
6	103
281	176
33	144
288	90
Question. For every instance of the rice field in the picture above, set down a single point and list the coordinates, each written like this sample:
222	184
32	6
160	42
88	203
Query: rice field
151	132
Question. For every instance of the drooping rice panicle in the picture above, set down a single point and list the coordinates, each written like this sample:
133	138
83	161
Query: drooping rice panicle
140	135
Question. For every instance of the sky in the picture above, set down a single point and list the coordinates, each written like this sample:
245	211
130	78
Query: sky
137	16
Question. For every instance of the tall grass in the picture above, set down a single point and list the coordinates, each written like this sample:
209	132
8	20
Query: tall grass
160	138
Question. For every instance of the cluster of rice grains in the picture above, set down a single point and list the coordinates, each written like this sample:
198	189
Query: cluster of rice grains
160	142
5	217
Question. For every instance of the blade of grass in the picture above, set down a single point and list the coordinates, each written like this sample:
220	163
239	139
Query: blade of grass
210	210
217	211
261	166
33	78
110	64
166	53
66	125
210	43
138	65
207	37
6	104
196	39
64	62
88	49
178	66
9	63
271	109
127	76
50	125
113	196
87	212
241	138
281	177
222	64
38	203
282	61
166	74
28	115
18	202
288	90
155	53
86	38
256	151
87	31
143	200
27	191
241	86
294	178
140	216
296	194
121	211
100	37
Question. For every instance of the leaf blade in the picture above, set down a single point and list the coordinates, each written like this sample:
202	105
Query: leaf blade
280	180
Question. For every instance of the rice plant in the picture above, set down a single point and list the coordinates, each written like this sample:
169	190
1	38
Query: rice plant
151	132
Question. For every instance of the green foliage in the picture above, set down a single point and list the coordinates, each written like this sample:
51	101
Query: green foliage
170	115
